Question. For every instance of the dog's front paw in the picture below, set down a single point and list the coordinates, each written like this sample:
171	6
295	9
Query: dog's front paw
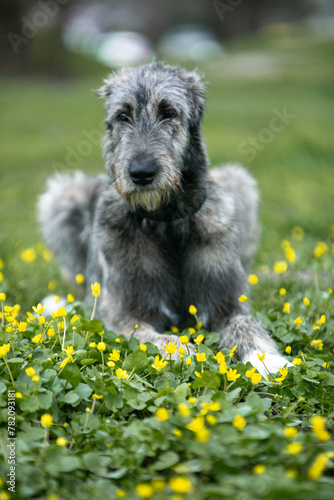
270	364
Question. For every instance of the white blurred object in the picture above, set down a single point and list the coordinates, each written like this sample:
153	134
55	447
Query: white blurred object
124	48
189	42
51	305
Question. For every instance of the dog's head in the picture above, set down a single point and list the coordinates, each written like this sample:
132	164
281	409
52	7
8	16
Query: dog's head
153	145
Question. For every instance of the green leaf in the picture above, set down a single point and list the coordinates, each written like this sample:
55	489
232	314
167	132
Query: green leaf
96	463
45	400
84	390
71	373
71	398
3	388
166	460
94	326
135	361
113	402
181	392
31	404
88	361
208	379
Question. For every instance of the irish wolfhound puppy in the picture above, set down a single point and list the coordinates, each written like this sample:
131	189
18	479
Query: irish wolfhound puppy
160	232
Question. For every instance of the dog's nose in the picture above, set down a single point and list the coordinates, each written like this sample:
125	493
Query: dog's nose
143	173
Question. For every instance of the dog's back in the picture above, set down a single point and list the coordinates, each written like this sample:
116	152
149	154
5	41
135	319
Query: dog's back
66	213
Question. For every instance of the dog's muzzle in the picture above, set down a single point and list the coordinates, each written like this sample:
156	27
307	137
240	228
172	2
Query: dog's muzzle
142	173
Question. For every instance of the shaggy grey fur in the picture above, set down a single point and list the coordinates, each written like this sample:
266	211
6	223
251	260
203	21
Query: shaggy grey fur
161	231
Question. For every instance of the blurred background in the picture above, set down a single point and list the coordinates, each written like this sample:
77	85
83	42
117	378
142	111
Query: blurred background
269	72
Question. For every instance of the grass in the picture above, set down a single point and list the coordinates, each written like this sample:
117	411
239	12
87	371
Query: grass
172	433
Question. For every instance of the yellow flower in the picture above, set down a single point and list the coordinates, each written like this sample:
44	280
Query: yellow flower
253	279
180	484
256	378
177	433
61	442
38	339
318	428
291	474
28	255
243	298
158	484
282	292
96	289
97	396
1	276
298	321
184	339
232	375
30	371
219	357
288	349
122	373
51	332
79	278
64	363
211	419
46	420
199	339
188	362
56	299
306	301
320	250
174	329
101	346
286	308
111	364
197	424
290	432
201	356
298	233
75	318
259	469
2	297
317	344
39	309
35	379
223	368
192	331
120	493
232	351
322	320
293	448
143	347
18	395
290	255
202	436
198	375
325	365
181	350
170	348
284	372
144	490
250	373
192	400
184	410
70	298
22	326
261	356
114	355
296	361
162	414
192	310
4	350
280	267
239	422
61	312
159	364
318	466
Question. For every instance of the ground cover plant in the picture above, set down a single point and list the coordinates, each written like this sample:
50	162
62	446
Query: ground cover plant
98	415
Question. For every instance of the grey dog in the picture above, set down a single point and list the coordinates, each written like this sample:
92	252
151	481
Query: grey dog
161	232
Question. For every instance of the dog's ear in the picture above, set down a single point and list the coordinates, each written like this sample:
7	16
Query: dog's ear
196	88
106	90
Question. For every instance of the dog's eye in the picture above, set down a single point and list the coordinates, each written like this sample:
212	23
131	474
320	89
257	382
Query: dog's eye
123	117
168	113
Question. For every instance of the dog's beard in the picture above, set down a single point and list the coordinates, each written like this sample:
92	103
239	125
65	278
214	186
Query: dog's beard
148	199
